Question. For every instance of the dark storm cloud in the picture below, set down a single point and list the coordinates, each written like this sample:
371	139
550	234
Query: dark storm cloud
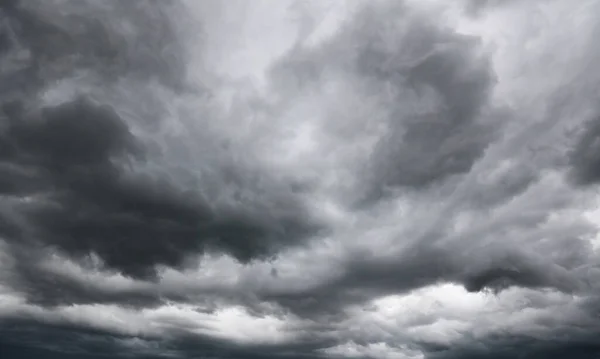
569	345
73	160
451	195
72	341
50	289
84	202
21	338
116	213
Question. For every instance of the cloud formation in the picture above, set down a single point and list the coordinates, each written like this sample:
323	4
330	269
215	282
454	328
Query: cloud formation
379	180
71	159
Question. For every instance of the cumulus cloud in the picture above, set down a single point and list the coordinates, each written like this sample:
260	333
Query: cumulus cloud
384	179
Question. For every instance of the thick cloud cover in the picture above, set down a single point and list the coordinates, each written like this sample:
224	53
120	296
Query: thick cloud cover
72	159
380	179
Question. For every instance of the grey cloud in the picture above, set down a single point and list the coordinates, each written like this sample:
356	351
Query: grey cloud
530	253
425	149
88	204
428	146
476	7
511	181
367	276
74	160
23	337
462	82
584	158
55	39
48	289
72	341
504	276
122	172
440	83
523	347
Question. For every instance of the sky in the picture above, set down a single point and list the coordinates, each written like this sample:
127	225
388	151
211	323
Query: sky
386	179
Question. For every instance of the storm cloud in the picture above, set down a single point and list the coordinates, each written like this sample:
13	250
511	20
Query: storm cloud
300	179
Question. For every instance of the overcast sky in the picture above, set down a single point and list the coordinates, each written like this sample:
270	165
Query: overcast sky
379	179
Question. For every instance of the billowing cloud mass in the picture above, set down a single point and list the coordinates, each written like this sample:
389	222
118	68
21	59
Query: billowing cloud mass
299	179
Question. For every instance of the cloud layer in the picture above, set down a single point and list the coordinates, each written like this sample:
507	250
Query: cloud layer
376	180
